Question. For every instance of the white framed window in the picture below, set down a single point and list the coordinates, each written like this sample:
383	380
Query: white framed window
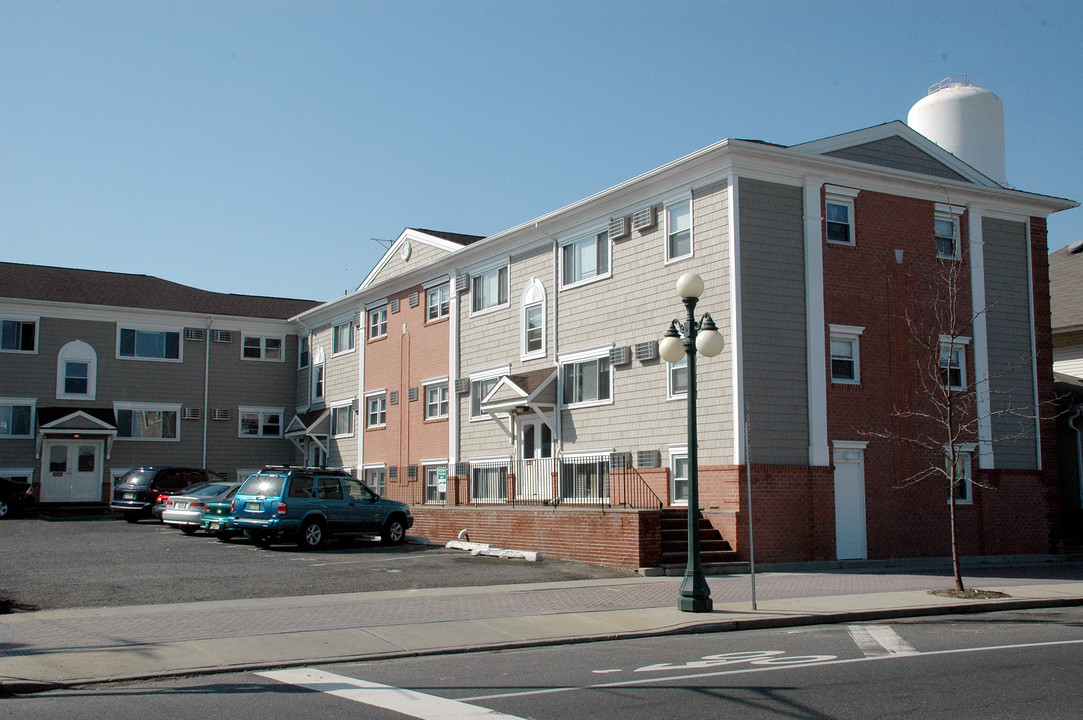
24	475
947	237
19	336
532	321
147	421
304	351
678	475
585	259
436	472
953	362
318	374
76	372
845	355
586	378
140	344
256	347
963	490
17	417
376	410
436	400
489	289
378	322
438	302
342	420
374	477
677	379
480	385
260	422
678	216
342	336
839	219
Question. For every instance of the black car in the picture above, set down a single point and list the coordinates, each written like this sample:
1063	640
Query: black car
15	495
135	495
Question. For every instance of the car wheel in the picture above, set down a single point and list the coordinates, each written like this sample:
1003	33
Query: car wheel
189	529
132	517
312	535
261	540
224	536
4	509
394	532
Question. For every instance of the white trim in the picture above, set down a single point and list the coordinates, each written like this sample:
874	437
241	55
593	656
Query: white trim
818	452
736	340
532	287
77	351
855	345
840	191
849	444
590	353
255	409
1034	355
263	347
983	403
946	209
584	454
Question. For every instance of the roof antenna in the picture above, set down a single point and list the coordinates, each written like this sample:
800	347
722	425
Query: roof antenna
386	243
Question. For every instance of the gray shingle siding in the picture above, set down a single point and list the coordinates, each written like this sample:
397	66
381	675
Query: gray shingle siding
894	152
774	320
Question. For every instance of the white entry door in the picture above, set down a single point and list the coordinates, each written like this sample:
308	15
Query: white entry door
535	481
850	541
71	471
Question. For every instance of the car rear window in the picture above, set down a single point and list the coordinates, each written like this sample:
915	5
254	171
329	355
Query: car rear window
263	485
211	490
138	477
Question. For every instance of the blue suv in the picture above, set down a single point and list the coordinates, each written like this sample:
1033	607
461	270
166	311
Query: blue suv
309	505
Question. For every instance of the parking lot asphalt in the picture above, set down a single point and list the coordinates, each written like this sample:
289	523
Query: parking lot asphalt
103	561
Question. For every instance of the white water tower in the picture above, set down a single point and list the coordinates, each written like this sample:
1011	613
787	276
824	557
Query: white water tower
965	120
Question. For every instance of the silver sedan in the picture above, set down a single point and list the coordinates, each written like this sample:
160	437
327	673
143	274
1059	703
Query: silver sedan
186	511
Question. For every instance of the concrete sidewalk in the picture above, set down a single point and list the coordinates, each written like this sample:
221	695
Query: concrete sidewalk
64	648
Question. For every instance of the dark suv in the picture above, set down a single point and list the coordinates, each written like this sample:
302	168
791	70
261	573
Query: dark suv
135	494
307	505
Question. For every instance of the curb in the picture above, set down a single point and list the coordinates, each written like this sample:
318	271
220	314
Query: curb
16	686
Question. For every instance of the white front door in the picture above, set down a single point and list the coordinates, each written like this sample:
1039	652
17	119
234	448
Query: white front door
71	471
535	480
850	503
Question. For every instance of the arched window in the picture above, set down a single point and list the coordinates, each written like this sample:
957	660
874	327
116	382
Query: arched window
532	321
76	372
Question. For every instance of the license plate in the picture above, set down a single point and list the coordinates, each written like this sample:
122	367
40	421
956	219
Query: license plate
212	526
181	506
128	496
253	506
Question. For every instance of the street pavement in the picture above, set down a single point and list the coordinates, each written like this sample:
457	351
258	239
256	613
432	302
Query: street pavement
66	648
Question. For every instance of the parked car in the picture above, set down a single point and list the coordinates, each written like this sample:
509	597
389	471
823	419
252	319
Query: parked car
185	509
136	493
309	505
159	504
15	496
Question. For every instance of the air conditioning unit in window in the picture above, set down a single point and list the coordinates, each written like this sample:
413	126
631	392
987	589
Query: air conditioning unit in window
223	336
646	351
648	458
462	385
196	334
618	228
644	219
191	413
620	461
620	355
462	283
220	414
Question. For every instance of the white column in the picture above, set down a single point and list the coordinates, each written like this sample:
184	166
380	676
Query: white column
818	451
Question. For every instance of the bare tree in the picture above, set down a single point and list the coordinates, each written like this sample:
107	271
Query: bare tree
941	414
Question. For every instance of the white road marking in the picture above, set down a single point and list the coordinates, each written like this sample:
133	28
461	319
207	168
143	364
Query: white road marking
606	672
405	702
874	640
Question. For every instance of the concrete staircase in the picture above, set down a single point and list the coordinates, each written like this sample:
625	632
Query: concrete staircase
716	555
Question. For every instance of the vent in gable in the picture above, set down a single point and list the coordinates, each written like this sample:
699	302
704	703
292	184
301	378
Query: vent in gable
196	334
191	413
648	458
646	351
220	414
644	219
223	336
618	228
620	355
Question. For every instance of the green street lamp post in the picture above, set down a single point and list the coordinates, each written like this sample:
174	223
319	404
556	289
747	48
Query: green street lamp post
682	340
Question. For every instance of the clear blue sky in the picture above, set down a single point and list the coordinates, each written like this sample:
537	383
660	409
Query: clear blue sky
258	147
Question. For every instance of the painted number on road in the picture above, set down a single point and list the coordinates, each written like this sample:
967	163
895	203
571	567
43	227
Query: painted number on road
753	657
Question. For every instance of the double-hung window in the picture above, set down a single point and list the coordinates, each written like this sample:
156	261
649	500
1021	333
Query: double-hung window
18	335
255	347
962	490
839	218
374	478
585	258
378	322
478	390
845	358
342	336
149	344
953	364
147	422
436	400
677	380
303	351
376	415
261	422
678	229
342	420
587	380
16	417
489	289
532	321
946	230
76	371
437	302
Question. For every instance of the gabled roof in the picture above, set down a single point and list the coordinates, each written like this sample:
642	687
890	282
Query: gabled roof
447	241
896	145
1066	288
144	292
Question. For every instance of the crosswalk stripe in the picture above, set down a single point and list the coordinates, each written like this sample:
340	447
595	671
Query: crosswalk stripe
405	702
874	640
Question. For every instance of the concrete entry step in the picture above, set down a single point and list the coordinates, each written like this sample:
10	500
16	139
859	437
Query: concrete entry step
714	549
